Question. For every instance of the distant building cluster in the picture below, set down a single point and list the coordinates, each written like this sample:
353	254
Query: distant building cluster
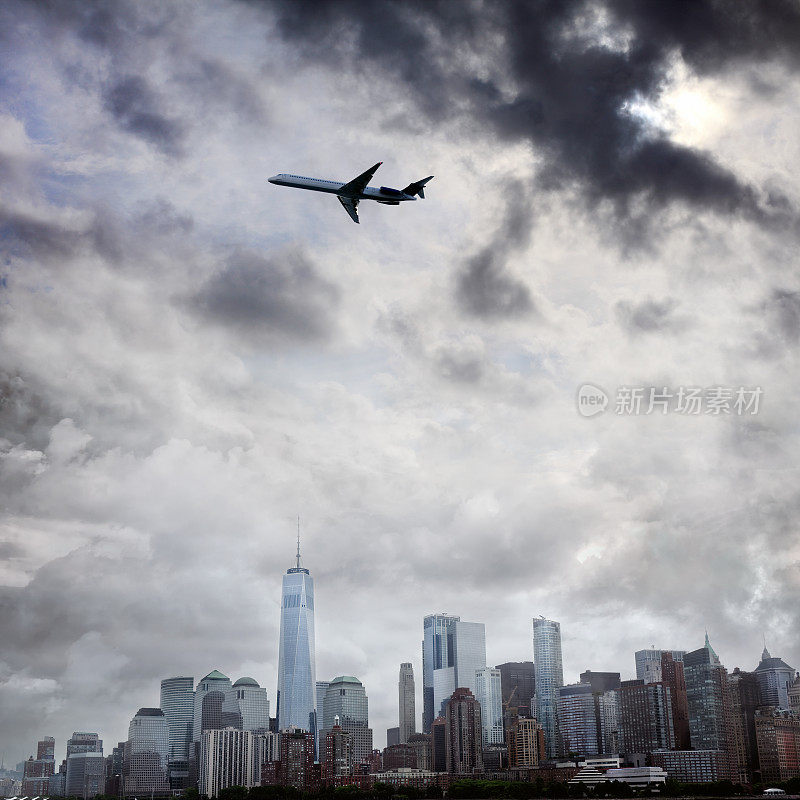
684	717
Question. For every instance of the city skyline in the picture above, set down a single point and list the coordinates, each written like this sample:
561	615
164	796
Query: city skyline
636	657
191	356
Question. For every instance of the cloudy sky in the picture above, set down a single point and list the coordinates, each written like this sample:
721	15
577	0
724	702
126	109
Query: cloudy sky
190	356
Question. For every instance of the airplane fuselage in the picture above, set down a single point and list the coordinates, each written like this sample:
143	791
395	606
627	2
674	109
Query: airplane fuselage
383	194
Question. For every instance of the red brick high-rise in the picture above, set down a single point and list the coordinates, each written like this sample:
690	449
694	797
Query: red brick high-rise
463	733
672	676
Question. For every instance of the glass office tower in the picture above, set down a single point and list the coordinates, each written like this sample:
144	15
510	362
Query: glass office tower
296	663
177	703
434	656
145	765
549	675
346	699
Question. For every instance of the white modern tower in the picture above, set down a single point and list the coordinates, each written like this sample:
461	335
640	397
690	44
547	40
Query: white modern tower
296	664
549	678
488	693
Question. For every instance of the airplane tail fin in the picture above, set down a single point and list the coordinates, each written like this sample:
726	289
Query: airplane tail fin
417	188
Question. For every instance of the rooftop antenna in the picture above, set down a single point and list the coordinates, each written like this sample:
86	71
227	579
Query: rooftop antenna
298	541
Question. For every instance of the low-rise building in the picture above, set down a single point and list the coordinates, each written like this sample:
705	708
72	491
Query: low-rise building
692	766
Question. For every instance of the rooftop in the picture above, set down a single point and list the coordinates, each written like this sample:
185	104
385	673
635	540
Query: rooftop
215	675
247	682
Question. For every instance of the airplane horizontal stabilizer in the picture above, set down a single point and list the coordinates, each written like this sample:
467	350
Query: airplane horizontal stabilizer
417	188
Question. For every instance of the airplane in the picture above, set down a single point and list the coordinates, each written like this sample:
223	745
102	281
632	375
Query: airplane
350	193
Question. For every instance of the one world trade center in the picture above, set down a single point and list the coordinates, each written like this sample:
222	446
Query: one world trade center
297	673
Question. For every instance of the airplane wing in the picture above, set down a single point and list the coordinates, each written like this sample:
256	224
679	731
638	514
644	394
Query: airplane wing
349	205
357	185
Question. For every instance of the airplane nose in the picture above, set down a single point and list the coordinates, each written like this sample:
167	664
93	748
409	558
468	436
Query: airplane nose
273	179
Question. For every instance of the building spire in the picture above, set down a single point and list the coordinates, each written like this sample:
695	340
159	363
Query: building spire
298	541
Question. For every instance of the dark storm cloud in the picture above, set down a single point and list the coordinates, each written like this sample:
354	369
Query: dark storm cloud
460	367
26	417
23	233
573	95
137	108
279	296
484	287
783	310
648	316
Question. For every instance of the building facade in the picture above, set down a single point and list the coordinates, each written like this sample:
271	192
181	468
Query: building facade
709	701
549	676
297	673
577	721
488	693
774	677
647	659
435	656
421	744
745	698
778	741
608	712
672	675
337	757
85	772
463	734
407	704
209	700
226	759
145	768
794	694
526	744
177	703
692	766
517	684
249	701
439	745
39	771
645	717
346	699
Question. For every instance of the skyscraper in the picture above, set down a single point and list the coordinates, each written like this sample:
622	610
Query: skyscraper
297	674
645	717
146	755
407	702
745	695
549	678
346	700
463	733
458	651
85	775
226	759
525	743
710	707
38	772
209	698
435	656
577	720
488	693
177	703
337	755
672	675
517	683
648	663
249	700
775	677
